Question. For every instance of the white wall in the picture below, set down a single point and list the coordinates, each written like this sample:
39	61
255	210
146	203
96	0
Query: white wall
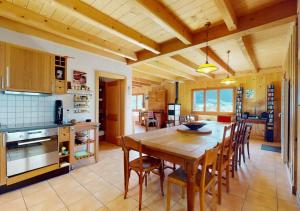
83	61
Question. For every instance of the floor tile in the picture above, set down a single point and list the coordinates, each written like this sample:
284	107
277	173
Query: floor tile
14	205
10	196
86	204
39	197
121	204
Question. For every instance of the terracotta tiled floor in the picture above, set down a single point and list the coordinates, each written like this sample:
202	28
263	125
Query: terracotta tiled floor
260	184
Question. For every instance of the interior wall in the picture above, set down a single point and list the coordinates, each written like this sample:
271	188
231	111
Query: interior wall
257	82
80	60
142	90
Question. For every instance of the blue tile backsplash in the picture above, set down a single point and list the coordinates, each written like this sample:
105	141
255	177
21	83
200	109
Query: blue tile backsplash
19	109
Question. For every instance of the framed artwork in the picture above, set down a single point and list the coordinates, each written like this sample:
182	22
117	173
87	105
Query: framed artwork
249	93
79	78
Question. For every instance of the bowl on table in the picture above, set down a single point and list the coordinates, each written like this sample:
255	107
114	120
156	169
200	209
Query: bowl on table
194	125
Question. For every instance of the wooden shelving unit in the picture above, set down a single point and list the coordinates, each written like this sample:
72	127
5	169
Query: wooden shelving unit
60	68
81	100
89	147
65	139
270	110
239	103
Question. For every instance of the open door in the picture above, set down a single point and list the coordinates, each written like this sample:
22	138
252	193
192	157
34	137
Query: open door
113	111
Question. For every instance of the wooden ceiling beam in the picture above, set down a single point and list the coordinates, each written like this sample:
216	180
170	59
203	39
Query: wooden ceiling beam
212	55
25	16
190	64
166	19
281	13
145	81
146	77
248	51
22	28
154	72
228	14
105	22
171	70
140	83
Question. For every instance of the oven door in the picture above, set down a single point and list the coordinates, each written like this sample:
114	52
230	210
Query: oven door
27	155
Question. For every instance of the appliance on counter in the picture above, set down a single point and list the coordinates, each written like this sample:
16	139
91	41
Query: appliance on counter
29	150
58	112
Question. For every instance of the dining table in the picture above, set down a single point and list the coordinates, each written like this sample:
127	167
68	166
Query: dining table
181	148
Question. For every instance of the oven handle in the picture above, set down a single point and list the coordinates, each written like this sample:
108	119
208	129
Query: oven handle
33	142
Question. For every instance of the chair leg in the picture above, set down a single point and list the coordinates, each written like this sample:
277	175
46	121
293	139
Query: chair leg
162	177
240	156
219	187
140	189
169	191
174	167
227	177
236	155
232	166
126	182
182	192
201	199
248	149
213	195
243	152
146	179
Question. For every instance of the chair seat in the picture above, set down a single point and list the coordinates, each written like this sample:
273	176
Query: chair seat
149	163
180	175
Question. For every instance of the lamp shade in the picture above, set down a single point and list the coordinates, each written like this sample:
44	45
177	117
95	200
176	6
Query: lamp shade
228	81
206	68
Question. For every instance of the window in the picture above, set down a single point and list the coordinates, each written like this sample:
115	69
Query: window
198	104
137	102
226	100
213	100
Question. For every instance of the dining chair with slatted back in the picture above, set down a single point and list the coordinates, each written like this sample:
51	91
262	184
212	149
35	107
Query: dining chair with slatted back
205	178
224	157
246	140
237	142
242	137
142	165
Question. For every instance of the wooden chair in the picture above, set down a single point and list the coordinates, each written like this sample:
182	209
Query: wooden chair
225	155
205	178
242	136
246	140
237	145
150	120
142	165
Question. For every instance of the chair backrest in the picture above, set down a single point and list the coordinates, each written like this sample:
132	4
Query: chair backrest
129	144
226	145
248	133
208	162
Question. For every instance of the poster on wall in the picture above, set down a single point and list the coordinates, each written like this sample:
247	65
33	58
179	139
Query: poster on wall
80	80
249	93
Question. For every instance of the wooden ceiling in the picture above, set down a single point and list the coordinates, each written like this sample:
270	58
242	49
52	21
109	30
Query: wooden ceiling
163	39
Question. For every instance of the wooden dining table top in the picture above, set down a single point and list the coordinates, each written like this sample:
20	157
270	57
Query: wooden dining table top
186	145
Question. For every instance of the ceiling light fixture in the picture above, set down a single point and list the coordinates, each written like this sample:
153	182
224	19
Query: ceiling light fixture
228	80
207	67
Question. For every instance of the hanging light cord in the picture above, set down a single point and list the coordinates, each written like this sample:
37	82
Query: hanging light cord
206	49
228	52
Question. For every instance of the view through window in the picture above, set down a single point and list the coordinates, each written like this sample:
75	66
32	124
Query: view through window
213	100
137	102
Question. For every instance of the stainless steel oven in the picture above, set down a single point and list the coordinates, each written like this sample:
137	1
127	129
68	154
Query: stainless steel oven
29	150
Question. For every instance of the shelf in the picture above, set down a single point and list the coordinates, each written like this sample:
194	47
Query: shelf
86	142
79	92
63	156
84	156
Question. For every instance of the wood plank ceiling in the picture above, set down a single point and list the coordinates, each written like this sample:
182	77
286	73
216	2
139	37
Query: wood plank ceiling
162	39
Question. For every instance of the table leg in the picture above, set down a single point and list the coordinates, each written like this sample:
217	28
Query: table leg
190	186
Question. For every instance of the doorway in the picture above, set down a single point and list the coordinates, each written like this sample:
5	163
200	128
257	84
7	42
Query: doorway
110	106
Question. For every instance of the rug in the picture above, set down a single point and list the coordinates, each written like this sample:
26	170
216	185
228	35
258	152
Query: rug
271	148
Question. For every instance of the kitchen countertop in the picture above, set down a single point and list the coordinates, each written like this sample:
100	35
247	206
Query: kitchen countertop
34	126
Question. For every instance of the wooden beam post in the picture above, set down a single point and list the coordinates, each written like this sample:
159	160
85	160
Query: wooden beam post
228	14
248	51
25	16
190	64
217	59
166	19
105	22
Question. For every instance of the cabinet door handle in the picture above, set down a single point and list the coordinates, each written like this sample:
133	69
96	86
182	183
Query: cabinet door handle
7	77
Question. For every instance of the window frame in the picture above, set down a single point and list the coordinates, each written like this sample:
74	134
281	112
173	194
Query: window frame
143	103
204	112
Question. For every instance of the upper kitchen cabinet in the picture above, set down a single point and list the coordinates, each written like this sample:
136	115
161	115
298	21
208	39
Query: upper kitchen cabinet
28	70
2	65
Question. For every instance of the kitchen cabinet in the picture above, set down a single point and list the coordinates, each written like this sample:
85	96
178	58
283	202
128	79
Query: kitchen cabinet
2	65
2	160
28	70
